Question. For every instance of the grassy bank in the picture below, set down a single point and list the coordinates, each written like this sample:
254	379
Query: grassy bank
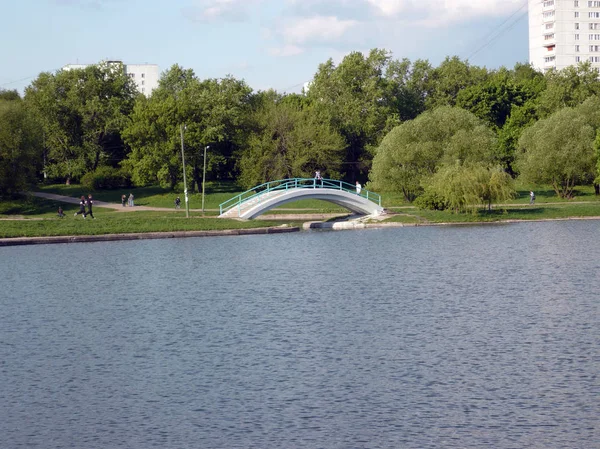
35	217
546	211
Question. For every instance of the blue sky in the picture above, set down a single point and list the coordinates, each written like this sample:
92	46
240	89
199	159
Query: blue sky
269	43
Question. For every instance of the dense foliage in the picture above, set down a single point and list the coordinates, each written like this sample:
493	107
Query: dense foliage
456	134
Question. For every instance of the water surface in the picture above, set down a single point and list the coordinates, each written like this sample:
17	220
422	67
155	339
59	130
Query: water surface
459	337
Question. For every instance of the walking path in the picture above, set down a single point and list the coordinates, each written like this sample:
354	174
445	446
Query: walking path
114	206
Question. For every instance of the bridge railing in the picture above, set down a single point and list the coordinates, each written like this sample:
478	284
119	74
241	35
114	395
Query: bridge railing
295	183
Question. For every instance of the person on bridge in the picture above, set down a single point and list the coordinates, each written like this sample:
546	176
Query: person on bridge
358	188
318	179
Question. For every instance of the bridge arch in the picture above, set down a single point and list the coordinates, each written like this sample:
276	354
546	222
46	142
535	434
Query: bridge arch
265	197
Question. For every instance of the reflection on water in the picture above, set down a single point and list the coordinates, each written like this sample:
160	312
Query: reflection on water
461	337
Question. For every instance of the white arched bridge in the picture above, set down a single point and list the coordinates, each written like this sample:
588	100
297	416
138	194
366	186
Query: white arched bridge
264	197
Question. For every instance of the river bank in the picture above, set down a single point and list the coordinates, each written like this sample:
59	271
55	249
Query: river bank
14	241
309	225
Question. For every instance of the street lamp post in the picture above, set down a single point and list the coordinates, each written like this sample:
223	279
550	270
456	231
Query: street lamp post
185	191
204	177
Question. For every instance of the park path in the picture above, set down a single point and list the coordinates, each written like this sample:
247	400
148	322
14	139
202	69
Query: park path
115	206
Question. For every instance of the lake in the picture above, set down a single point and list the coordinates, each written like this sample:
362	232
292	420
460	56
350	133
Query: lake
428	337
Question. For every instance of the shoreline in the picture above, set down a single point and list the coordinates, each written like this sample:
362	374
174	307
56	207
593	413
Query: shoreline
314	225
18	241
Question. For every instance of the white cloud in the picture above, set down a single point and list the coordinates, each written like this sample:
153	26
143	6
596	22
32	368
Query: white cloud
444	11
210	10
317	28
286	50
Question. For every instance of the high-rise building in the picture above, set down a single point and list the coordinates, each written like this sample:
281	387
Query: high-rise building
563	33
145	76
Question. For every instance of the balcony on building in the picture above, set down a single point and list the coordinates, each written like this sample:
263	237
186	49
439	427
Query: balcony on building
549	40
548	5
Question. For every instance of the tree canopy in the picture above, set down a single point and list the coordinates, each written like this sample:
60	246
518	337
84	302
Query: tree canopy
414	150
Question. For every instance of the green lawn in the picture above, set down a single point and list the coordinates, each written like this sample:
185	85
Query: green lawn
215	194
110	222
534	212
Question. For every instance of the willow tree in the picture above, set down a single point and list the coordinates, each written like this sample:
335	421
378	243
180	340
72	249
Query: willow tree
466	187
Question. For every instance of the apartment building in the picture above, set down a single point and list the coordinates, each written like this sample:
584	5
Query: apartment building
563	33
145	76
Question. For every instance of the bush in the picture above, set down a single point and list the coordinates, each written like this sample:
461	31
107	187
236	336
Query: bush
105	178
431	200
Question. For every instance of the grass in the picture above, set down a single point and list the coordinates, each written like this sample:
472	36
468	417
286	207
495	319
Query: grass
534	212
215	194
110	222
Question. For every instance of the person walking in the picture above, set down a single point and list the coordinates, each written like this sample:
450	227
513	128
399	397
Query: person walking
531	197
177	203
123	199
81	207
89	204
61	214
130	200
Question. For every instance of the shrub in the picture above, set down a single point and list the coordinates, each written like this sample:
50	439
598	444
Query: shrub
105	178
431	200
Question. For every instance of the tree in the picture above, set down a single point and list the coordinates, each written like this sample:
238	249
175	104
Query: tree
82	112
353	97
493	99
568	87
559	150
413	151
9	95
597	148
466	187
508	137
444	83
291	141
20	143
213	113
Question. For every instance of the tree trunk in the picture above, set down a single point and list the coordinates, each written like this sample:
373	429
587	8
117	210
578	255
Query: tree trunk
196	177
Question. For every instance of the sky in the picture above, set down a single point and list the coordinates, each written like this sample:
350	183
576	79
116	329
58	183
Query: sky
275	44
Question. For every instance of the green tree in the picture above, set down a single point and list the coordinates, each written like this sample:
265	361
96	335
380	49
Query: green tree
213	113
597	148
414	150
20	145
444	83
466	187
82	112
493	99
9	95
291	141
354	98
559	150
568	87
